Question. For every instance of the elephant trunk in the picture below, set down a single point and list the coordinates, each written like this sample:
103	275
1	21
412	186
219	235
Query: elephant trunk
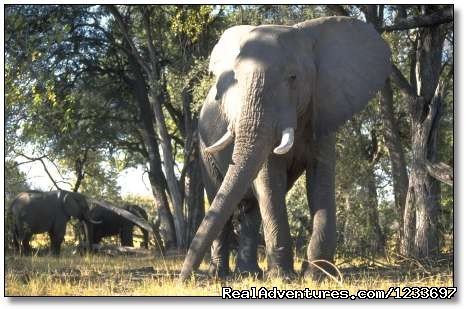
253	143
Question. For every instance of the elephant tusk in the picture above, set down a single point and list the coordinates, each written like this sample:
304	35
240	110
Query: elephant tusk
223	142
286	143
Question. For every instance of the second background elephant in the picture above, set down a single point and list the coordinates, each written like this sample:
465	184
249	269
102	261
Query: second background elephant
115	225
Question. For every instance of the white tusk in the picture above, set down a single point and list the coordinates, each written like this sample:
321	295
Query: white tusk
286	143
223	142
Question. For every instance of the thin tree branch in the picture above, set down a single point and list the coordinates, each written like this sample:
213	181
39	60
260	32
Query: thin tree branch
440	17
440	171
119	19
338	10
40	159
402	83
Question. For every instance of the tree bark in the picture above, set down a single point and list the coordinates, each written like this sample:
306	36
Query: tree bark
168	164
396	153
193	185
373	213
162	132
150	67
440	171
425	111
338	10
372	152
194	196
156	176
436	18
79	170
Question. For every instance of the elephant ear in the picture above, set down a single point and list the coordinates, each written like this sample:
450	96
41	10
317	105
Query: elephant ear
352	63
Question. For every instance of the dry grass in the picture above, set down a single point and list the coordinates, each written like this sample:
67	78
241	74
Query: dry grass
150	276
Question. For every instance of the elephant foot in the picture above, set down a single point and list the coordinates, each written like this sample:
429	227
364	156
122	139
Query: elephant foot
26	252
280	264
287	275
216	271
320	270
251	271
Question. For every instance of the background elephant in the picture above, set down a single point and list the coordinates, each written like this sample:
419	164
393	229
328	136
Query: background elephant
35	212
114	224
281	93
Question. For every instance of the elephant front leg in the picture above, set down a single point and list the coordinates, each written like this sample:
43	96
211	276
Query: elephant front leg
320	181
249	219
126	236
16	241
270	188
220	252
57	240
57	235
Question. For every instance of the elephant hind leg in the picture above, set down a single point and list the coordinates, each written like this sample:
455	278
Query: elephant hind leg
249	220
56	238
220	252
26	246
320	183
126	237
56	242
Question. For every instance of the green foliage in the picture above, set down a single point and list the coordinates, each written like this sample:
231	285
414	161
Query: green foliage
144	201
15	182
191	20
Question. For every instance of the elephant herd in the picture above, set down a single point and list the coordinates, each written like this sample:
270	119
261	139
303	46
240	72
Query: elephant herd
279	96
35	212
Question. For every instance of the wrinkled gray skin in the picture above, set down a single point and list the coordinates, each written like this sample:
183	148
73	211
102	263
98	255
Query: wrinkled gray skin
114	224
212	125
35	212
310	77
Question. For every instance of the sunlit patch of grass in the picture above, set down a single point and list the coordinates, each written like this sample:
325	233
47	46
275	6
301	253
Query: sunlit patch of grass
148	275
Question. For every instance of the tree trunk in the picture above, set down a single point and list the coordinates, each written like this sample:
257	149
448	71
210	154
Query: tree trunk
373	213
425	114
167	226
151	67
194	197
168	164
395	150
79	170
420	224
193	186
156	176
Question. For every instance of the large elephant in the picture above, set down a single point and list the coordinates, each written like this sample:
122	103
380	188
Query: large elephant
281	92
114	224
35	212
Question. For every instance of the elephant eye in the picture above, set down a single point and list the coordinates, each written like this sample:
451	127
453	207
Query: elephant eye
292	77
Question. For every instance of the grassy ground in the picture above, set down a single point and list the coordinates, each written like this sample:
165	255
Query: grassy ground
155	276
